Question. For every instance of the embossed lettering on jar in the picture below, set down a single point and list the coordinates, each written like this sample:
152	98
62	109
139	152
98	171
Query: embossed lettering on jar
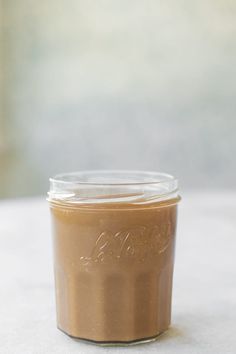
114	239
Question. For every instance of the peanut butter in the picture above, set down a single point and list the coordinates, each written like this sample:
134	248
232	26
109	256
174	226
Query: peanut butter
113	268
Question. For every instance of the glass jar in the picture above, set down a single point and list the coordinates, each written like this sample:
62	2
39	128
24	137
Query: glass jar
114	241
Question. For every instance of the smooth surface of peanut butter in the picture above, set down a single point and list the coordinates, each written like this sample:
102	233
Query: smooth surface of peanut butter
113	269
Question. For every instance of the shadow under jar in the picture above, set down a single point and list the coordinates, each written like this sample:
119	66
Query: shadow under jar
114	241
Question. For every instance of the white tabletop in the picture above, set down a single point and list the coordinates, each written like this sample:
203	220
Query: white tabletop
204	298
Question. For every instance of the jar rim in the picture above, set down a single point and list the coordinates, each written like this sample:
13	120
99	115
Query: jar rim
148	177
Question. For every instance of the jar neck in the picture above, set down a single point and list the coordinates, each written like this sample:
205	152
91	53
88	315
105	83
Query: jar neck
113	187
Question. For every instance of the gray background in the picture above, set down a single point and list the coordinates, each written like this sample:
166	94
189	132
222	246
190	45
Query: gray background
117	84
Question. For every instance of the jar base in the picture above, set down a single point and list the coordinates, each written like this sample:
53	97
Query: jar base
115	343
